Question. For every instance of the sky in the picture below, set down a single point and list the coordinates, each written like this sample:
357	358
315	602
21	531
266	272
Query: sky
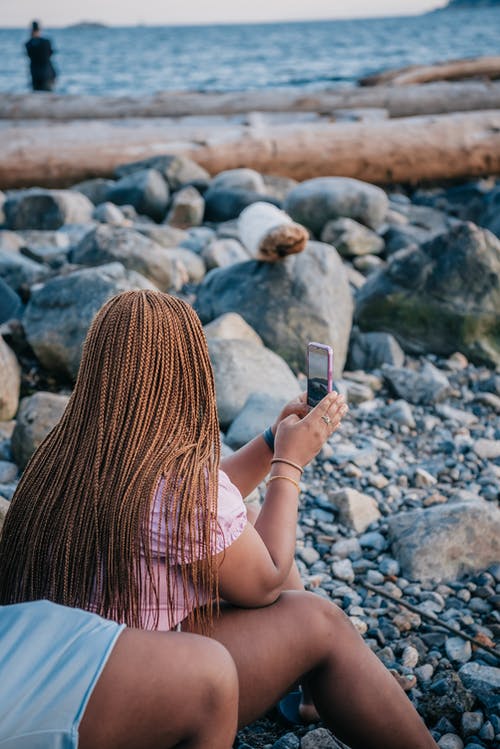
52	13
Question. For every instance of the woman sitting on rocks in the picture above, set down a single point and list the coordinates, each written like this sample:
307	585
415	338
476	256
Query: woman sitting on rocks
126	510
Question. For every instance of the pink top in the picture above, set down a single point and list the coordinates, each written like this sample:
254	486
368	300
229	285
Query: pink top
231	517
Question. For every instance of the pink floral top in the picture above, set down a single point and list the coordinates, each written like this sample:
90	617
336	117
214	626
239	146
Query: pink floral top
231	517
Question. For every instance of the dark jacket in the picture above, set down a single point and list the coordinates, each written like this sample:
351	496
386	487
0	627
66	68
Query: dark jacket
39	51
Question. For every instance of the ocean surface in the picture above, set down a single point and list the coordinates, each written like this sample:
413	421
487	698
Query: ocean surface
314	55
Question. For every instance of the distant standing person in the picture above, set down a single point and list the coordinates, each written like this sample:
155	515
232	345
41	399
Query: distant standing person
39	50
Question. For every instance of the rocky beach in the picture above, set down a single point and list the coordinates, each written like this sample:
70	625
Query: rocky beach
399	519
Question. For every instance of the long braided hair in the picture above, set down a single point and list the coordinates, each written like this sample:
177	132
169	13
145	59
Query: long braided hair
143	409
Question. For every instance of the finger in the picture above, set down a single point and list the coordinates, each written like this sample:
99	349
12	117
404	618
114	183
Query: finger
321	409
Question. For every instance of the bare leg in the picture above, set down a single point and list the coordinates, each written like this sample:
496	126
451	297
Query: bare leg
307	709
303	637
160	690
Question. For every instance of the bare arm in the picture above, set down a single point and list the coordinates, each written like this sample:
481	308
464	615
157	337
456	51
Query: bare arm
251	463
255	567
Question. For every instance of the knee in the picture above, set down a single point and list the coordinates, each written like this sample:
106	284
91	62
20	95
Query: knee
218	678
327	619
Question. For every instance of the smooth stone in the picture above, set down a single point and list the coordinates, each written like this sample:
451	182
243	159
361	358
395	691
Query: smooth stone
446	541
59	313
242	368
177	171
314	202
450	741
305	297
351	238
471	723
37	208
368	351
487	449
356	510
231	326
259	411
425	387
108	213
319	738
458	650
145	190
8	471
94	189
4	506
239	179
439	297
484	681
342	570
10	382
107	244
221	253
186	208
37	416
19	271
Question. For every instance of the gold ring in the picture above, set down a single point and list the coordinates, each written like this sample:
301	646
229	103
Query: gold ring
326	419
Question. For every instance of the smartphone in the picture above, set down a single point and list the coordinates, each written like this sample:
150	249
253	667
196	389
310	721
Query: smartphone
319	372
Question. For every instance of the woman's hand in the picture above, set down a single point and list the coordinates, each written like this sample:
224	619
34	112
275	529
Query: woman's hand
297	406
300	439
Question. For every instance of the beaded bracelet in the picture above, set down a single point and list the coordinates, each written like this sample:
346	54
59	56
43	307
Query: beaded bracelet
269	438
287	478
288	463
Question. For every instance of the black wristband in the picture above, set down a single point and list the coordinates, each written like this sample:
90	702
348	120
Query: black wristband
269	438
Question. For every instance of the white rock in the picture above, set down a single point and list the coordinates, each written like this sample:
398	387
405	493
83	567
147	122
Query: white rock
356	510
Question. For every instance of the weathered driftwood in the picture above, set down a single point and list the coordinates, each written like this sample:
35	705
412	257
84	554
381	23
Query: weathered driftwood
407	101
413	149
451	70
269	234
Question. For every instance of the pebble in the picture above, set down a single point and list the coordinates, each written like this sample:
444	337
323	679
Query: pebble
409	657
450	741
458	649
471	723
342	570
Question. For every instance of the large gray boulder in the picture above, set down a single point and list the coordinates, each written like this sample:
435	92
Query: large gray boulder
238	179
426	386
10	382
223	204
18	271
145	190
447	541
352	239
316	201
242	368
259	411
442	297
372	350
94	189
106	244
484	682
306	297
178	171
60	312
186	209
46	209
38	415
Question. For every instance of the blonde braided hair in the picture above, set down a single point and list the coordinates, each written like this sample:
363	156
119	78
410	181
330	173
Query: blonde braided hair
143	408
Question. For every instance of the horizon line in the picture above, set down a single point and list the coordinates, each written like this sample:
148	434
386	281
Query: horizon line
240	22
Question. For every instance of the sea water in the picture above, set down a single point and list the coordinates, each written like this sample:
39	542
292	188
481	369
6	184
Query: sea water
313	55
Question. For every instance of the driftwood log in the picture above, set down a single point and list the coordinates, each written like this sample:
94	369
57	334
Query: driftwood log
269	234
452	70
412	149
398	101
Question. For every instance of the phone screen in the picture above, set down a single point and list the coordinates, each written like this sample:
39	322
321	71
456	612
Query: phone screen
319	373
